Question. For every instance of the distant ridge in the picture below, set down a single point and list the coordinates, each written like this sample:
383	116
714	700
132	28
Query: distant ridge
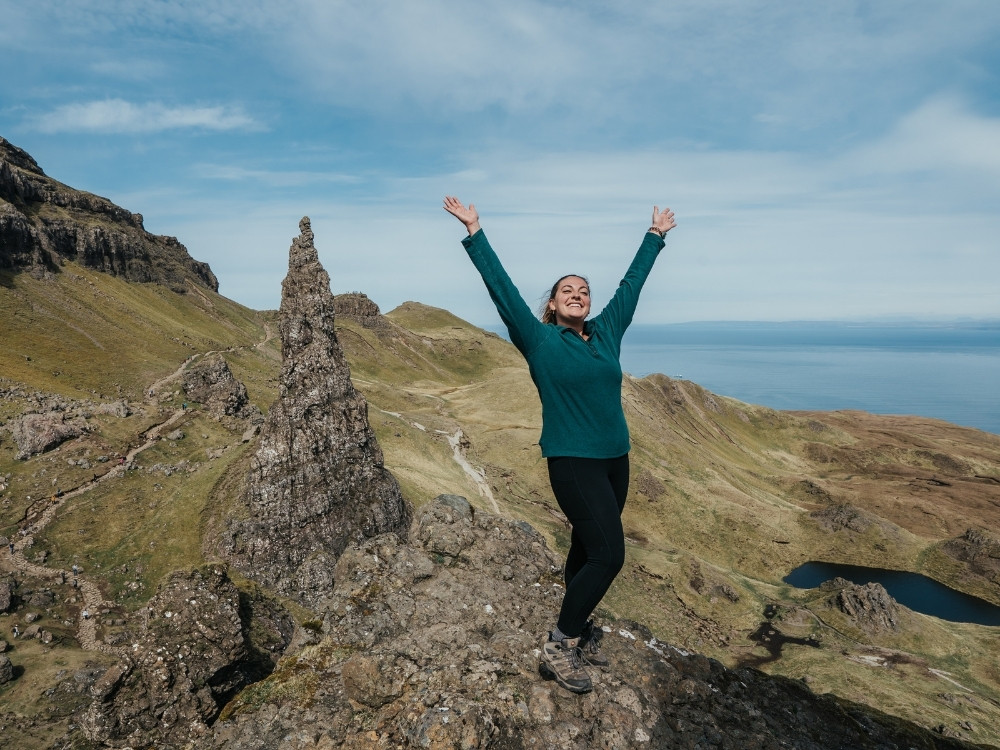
44	223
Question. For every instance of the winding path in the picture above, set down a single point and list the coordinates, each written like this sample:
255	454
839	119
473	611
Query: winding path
93	599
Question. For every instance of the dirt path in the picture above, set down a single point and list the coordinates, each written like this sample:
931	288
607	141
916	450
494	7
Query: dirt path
478	475
155	387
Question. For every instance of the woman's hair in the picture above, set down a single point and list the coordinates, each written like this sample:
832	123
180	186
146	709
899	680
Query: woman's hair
547	314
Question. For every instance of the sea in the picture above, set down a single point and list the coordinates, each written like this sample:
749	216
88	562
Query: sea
948	371
943	370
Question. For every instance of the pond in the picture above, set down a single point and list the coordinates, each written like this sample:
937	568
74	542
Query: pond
912	590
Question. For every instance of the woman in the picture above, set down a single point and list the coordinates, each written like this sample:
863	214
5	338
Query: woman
574	364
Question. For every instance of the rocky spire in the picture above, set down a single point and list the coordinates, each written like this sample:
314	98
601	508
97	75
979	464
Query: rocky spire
317	481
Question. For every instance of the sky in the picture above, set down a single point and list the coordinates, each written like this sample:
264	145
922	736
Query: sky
836	160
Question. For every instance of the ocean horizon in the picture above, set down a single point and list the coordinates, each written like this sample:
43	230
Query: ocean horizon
947	370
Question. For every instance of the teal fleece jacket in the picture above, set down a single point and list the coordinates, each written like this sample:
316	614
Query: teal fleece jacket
579	380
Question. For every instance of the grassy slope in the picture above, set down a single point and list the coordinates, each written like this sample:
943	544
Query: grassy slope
718	510
85	336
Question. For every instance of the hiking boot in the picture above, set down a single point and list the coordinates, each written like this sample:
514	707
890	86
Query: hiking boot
563	662
590	646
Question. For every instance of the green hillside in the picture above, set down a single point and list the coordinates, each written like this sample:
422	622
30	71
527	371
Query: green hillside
726	497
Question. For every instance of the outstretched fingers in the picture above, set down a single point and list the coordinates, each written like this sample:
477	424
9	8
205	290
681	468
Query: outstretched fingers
663	220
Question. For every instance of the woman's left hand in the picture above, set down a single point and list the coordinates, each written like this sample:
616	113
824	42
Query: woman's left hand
663	220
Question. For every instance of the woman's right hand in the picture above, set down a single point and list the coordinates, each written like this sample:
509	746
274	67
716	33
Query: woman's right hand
467	215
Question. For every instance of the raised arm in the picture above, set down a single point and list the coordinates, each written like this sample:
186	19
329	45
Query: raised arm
525	329
467	215
619	310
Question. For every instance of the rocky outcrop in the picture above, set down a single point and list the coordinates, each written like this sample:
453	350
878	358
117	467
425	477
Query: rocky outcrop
357	306
6	590
317	481
434	643
980	549
189	656
211	382
37	433
869	606
44	223
847	517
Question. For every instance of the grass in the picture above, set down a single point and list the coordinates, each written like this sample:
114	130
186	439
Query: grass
722	490
149	523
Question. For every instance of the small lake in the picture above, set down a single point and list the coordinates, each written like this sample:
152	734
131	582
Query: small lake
912	590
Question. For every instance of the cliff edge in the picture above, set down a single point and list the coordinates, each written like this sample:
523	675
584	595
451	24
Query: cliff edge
44	223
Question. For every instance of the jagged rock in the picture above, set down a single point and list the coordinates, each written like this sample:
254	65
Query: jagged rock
870	606
357	306
433	643
191	654
37	433
317	481
6	669
212	383
43	223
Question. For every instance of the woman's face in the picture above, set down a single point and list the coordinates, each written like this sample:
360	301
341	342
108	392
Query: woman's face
571	303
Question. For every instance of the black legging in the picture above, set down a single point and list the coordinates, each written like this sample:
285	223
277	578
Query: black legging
591	492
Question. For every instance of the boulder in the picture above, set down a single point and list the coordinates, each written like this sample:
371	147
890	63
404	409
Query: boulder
6	669
37	433
211	382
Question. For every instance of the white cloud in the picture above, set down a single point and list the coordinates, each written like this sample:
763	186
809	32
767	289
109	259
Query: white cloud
689	66
941	134
119	116
823	159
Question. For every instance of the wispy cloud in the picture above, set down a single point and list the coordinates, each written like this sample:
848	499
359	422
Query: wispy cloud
943	133
119	116
823	159
274	178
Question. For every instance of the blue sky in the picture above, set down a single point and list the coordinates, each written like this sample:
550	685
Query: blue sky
824	160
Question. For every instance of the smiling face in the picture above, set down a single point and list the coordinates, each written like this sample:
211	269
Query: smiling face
571	301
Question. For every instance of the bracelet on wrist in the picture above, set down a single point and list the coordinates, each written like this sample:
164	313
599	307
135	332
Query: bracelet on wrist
657	230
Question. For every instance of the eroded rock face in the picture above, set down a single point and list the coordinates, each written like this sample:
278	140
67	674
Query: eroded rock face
317	481
190	654
212	383
43	223
433	643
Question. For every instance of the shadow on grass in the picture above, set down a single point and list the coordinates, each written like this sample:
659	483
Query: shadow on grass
773	640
